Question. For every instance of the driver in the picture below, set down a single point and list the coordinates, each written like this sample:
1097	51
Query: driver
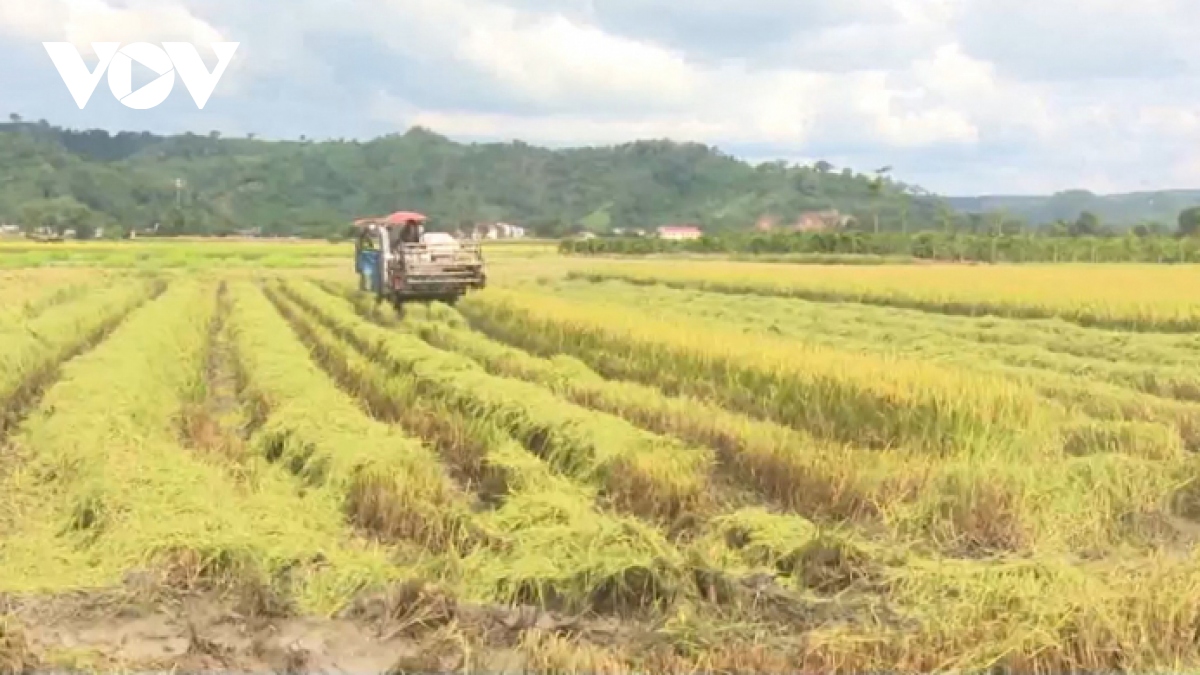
411	234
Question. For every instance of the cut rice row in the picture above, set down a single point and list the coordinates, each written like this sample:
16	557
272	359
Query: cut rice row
545	541
653	476
814	477
29	357
390	484
104	488
991	503
613	562
27	293
965	504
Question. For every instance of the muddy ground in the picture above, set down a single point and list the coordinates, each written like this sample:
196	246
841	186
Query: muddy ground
412	629
149	624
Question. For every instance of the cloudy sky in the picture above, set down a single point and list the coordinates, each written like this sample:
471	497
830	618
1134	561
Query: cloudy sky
960	96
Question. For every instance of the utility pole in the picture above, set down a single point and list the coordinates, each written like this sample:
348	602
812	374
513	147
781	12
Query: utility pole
877	192
179	192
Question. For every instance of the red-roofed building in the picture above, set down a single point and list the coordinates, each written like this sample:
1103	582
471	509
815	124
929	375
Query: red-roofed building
680	232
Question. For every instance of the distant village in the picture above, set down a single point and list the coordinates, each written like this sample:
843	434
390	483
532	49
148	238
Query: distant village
479	232
492	231
812	221
8	231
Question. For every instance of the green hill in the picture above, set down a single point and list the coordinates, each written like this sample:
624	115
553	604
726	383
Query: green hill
1118	210
86	179
52	175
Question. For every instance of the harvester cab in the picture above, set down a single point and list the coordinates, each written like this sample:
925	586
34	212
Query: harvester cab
398	261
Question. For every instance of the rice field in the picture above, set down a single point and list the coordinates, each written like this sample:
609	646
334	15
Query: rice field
1159	298
602	467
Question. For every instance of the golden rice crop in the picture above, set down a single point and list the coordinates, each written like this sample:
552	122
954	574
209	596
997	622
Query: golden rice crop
966	502
1102	401
174	253
865	400
1028	503
644	472
1144	297
601	560
104	486
1160	364
754	540
815	477
969	504
391	484
22	299
1039	615
30	354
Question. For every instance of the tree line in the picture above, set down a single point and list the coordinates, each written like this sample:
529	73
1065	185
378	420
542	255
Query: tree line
925	245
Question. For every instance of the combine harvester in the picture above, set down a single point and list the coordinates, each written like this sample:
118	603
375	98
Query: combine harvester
400	262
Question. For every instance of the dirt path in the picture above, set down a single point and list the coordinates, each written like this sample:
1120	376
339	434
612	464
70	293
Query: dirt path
143	626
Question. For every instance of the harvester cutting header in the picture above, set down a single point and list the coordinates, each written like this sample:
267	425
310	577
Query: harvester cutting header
399	261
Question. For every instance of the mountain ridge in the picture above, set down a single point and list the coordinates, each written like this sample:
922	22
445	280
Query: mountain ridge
128	180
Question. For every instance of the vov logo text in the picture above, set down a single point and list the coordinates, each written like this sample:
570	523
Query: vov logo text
166	61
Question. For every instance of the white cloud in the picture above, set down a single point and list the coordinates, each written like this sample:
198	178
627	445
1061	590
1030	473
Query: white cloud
593	84
1169	120
82	22
1057	40
549	58
995	94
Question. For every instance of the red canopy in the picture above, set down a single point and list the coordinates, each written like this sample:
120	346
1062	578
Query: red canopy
401	217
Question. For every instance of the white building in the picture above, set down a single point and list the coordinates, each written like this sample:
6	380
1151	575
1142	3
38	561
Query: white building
498	231
678	232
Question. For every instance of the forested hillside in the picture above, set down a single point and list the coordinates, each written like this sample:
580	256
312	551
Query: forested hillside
1119	210
206	184
84	179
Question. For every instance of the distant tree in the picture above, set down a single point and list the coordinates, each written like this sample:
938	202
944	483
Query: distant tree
14	118
1059	228
1086	225
823	166
1189	222
945	217
57	215
1012	225
1149	229
805	183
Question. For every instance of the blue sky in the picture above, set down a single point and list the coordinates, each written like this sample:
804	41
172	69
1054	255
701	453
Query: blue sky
959	96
